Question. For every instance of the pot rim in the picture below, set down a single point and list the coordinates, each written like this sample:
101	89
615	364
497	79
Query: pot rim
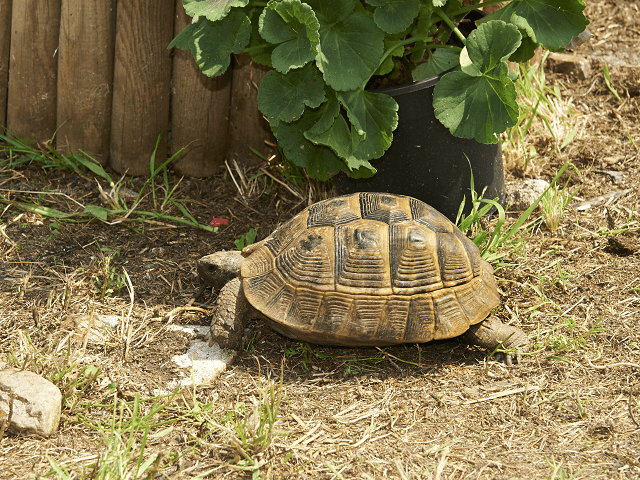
413	87
425	82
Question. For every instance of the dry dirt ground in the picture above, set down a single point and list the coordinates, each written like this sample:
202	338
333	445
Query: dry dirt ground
437	410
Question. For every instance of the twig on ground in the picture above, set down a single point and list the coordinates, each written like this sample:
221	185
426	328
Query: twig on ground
602	367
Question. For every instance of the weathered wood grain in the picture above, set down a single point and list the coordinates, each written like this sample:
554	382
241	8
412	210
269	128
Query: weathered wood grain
199	111
85	74
141	83
33	67
247	127
5	43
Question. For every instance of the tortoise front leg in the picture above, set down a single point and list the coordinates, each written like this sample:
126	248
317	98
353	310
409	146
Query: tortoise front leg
491	331
232	310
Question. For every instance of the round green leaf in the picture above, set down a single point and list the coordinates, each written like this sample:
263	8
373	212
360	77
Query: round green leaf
351	45
440	60
490	44
293	26
552	23
283	97
211	44
476	107
374	115
394	16
213	10
325	116
319	161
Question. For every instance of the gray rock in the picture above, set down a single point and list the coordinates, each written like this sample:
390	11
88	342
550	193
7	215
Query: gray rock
570	64
522	193
32	404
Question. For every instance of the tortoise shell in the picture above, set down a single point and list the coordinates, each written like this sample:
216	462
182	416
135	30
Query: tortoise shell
369	269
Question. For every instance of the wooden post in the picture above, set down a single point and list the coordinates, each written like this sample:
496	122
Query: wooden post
247	127
85	73
5	42
31	100
141	83
199	111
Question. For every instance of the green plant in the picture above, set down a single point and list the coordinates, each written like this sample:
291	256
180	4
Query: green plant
553	203
542	109
249	430
355	365
632	142
118	211
559	472
246	239
325	52
108	281
307	352
607	80
125	435
492	246
56	363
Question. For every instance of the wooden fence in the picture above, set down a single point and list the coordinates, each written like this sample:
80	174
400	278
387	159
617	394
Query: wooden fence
99	72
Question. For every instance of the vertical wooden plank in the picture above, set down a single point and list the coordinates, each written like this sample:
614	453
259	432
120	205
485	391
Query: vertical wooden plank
5	42
199	111
247	127
31	100
85	72
141	83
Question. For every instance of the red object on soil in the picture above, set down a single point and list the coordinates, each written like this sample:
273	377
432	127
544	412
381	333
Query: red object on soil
219	222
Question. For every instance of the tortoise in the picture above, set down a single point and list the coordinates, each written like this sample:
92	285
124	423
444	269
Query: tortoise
366	269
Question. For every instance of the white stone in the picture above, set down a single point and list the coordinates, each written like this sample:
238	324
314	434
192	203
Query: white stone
522	193
31	402
96	328
201	364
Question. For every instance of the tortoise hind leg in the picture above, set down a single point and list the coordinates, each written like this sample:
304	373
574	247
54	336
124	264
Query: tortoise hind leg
227	321
491	331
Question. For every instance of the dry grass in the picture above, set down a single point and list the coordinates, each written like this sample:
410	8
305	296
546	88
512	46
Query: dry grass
291	410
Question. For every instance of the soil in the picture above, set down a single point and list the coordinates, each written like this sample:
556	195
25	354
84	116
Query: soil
440	410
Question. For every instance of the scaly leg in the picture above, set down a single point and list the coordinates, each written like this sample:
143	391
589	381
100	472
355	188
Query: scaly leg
231	313
491	331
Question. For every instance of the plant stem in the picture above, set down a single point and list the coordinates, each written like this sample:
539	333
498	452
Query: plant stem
388	52
448	21
442	46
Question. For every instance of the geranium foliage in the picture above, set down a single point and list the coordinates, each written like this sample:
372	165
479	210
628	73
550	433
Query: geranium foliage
324	52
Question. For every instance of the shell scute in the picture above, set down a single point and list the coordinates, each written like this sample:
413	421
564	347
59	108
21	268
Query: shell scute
475	307
362	258
260	261
304	308
334	313
454	262
429	217
282	237
421	320
384	208
309	260
450	318
261	288
413	259
337	211
473	254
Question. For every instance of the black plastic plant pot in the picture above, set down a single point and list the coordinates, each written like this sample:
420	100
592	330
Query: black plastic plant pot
426	161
